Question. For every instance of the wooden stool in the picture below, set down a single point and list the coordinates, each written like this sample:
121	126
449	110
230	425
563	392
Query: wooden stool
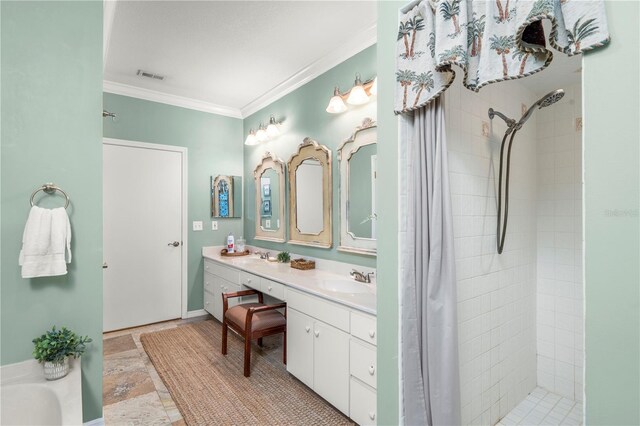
252	321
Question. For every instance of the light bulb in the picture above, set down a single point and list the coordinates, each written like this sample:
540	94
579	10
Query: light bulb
272	128
251	139
357	95
336	104
374	87
261	134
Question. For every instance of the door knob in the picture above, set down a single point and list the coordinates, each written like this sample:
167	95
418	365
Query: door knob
175	244
104	265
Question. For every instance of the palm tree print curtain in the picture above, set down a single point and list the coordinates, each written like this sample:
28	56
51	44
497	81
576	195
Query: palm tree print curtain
490	40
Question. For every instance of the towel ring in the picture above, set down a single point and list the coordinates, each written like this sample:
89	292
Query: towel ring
50	188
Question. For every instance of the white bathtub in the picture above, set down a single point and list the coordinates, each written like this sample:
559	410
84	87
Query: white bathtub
26	398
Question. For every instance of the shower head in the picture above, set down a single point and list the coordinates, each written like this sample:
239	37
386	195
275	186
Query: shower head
547	100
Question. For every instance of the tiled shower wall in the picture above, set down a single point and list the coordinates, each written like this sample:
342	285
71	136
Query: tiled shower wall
560	282
496	293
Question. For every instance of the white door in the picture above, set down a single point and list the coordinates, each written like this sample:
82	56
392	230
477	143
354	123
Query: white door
143	228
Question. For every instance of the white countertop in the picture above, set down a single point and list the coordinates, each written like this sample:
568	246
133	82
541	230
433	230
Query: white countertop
309	281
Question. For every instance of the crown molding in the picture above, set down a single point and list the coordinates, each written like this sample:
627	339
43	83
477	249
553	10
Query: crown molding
165	98
351	47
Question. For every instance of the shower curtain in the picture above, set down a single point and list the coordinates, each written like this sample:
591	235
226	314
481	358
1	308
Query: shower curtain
429	374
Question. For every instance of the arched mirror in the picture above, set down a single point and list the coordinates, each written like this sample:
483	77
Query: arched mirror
358	171
269	183
310	195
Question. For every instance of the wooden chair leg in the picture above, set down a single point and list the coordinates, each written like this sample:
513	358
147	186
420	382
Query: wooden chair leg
225	328
260	341
284	348
247	356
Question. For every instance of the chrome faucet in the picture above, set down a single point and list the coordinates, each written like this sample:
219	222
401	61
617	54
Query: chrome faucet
361	276
263	254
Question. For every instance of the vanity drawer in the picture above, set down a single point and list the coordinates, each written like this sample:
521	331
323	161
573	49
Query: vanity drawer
250	280
209	282
318	308
362	403
209	302
229	274
272	288
364	327
362	362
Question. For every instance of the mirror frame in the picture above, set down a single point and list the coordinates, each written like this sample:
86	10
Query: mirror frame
365	134
310	149
269	161
215	202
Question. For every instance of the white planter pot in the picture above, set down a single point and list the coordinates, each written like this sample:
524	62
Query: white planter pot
55	371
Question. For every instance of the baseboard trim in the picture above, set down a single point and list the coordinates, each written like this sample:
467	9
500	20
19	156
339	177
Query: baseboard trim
95	422
196	313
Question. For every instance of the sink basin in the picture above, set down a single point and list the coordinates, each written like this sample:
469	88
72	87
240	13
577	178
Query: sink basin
344	286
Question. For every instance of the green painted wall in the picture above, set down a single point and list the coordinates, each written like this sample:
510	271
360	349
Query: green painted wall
51	132
388	392
214	146
304	113
612	229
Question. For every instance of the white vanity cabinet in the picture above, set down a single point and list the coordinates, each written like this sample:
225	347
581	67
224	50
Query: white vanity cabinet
220	279
331	346
318	355
363	368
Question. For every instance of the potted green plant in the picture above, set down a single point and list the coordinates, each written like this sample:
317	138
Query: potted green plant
54	349
284	257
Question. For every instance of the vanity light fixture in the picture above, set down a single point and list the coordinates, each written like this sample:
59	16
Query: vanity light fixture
359	94
261	134
251	139
374	87
272	128
264	133
336	104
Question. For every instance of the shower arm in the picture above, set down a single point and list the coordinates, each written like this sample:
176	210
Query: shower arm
501	233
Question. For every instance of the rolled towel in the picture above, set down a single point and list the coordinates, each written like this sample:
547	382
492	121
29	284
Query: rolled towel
45	241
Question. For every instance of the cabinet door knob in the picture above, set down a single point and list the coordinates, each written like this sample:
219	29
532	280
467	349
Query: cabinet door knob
248	280
207	303
206	267
317	333
269	288
307	328
372	415
372	333
221	287
372	370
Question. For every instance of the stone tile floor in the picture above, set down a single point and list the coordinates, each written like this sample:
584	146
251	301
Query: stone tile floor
132	391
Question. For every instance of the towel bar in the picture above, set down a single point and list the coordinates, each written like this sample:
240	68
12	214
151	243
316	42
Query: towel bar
50	188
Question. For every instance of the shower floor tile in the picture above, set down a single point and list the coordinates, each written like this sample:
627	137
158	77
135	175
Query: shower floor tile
543	408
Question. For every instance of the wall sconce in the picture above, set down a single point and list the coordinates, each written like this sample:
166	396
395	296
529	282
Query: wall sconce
264	133
359	94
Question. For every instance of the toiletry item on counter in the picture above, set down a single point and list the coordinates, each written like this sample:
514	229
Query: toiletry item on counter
240	244
230	244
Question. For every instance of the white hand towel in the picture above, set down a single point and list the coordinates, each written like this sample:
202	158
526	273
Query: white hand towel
46	238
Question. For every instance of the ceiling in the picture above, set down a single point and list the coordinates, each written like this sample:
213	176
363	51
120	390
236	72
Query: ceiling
236	55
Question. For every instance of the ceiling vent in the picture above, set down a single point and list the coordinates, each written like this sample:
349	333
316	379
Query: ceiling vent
147	74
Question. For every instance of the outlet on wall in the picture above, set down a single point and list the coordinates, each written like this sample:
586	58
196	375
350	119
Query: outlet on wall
214	225
197	225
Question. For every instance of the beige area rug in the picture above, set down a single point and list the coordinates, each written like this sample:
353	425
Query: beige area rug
209	388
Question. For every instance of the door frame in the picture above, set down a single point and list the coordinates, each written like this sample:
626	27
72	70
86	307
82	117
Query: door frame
184	247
